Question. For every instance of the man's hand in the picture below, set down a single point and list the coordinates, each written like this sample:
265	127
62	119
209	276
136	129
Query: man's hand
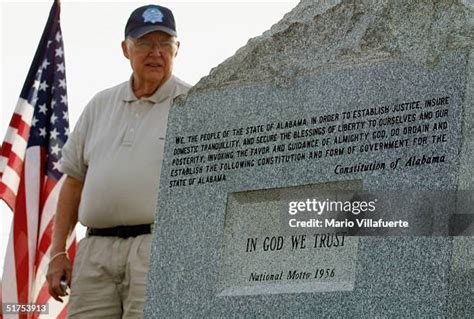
59	269
64	223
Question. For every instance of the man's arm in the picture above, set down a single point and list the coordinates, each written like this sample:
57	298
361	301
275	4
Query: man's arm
64	223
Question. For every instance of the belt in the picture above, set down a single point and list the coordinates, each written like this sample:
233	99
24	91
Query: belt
121	231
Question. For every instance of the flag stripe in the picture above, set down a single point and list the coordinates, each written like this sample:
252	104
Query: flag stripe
9	282
24	130
63	314
48	211
20	242
12	131
47	219
20	123
15	163
3	163
14	123
7	195
11	179
32	191
4	154
44	243
19	147
25	109
6	150
49	207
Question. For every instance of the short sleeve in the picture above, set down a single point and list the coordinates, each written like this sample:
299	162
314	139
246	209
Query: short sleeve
73	161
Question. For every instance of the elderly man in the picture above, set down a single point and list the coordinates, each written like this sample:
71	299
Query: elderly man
113	161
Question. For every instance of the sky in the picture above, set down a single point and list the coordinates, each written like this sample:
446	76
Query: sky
209	32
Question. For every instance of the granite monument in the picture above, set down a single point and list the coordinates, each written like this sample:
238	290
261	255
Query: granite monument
336	99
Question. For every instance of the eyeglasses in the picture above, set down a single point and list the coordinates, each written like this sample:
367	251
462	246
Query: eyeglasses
148	45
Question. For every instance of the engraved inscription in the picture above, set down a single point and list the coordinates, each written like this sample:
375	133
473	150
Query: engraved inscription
210	157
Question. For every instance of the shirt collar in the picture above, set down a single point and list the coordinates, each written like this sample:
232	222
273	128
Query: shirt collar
164	92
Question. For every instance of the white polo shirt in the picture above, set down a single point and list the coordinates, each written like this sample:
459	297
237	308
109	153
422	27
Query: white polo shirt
116	148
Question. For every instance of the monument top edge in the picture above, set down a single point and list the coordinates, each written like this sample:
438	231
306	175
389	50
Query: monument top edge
319	35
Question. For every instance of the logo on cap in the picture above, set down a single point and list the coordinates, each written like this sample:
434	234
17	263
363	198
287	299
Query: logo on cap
152	15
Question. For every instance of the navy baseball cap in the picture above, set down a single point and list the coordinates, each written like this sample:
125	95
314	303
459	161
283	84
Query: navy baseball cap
150	18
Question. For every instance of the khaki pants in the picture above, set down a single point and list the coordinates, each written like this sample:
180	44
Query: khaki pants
109	276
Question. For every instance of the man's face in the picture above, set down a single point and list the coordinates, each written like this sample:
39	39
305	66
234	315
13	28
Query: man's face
151	56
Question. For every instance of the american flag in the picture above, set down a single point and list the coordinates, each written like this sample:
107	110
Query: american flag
29	177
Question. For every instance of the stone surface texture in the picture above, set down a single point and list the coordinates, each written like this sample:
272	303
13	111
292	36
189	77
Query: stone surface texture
325	57
317	35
